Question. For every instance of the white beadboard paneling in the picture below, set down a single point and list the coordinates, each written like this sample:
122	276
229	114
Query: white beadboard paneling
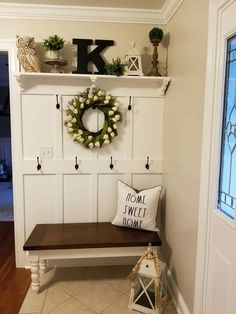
70	148
38	123
107	195
145	181
40	200
119	145
77	198
148	128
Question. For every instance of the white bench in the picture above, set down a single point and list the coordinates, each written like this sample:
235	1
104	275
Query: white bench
83	240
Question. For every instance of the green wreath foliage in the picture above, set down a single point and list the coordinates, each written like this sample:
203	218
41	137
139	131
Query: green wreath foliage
92	98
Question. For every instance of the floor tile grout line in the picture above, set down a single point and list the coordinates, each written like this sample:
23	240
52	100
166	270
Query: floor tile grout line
112	286
44	301
60	305
66	291
84	305
105	307
112	303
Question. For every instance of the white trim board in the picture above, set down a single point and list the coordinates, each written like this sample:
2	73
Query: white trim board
90	14
176	296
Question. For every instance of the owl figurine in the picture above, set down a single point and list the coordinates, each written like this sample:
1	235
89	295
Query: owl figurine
26	53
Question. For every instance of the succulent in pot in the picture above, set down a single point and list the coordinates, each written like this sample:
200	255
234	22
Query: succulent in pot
53	45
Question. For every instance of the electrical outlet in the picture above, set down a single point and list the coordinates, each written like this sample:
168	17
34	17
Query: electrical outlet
46	152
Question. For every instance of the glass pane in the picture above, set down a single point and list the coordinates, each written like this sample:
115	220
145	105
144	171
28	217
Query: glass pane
144	293
227	185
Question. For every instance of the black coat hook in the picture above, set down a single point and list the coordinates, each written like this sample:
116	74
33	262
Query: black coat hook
130	107
57	104
147	164
38	164
111	164
76	164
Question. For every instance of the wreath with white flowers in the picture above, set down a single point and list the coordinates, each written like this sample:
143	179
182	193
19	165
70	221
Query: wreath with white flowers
97	99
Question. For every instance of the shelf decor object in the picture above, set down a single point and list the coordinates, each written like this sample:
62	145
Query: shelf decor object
133	62
53	46
26	53
55	64
147	291
155	36
96	99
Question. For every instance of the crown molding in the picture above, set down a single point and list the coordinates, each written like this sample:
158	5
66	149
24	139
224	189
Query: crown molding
90	14
169	9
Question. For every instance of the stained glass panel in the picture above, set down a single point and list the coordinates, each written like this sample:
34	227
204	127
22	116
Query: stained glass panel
227	184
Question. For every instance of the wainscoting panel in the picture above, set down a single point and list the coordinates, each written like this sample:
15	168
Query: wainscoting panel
144	181
40	200
38	123
77	198
147	128
107	195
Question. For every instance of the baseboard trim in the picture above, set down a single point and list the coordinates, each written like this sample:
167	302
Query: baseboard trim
176	296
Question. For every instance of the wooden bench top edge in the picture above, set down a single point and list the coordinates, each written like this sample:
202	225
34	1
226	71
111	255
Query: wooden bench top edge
86	236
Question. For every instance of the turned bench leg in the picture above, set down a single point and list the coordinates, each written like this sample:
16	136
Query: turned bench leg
42	266
35	276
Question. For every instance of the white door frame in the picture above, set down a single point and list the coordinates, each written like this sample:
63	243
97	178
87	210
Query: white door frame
9	45
210	126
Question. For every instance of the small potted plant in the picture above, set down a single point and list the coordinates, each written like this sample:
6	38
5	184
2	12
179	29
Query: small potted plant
156	35
116	67
53	45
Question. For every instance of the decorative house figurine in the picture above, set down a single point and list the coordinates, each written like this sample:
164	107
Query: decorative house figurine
147	290
133	61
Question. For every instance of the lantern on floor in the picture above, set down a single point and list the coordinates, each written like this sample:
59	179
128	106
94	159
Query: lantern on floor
133	62
147	290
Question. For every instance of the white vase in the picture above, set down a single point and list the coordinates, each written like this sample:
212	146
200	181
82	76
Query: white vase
52	54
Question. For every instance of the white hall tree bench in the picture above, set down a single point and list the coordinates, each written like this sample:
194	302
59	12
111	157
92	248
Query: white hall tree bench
83	240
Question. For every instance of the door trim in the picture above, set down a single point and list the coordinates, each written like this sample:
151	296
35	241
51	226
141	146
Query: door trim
9	46
209	148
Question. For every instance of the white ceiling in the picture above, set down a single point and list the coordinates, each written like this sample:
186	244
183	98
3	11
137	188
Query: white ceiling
136	4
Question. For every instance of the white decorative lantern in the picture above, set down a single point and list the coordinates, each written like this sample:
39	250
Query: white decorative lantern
147	291
133	61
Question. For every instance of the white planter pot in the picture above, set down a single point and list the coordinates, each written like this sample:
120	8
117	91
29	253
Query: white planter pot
52	54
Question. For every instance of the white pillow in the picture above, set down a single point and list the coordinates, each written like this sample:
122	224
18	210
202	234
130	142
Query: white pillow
137	209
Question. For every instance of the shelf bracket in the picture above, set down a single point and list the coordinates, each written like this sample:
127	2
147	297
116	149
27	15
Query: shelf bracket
93	80
164	86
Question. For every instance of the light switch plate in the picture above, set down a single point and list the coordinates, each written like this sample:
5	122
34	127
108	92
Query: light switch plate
46	152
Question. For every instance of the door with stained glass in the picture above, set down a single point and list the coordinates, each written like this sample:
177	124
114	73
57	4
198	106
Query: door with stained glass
220	291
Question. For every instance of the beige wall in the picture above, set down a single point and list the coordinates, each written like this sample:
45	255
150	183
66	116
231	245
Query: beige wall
183	119
122	34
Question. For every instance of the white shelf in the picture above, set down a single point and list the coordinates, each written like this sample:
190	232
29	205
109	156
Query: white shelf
26	80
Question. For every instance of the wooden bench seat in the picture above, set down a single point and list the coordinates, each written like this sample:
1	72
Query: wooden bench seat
83	240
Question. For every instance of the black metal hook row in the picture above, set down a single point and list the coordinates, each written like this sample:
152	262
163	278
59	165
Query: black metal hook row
76	164
130	107
111	164
38	164
57	102
147	166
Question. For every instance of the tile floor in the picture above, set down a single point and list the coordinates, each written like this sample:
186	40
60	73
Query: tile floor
84	290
